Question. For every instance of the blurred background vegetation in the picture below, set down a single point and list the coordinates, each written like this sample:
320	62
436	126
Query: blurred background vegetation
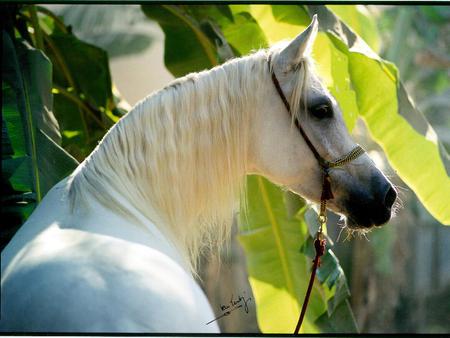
399	275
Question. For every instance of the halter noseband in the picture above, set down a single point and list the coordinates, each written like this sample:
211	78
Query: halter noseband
327	194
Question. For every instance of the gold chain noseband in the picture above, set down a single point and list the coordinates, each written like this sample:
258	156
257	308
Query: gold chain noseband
327	194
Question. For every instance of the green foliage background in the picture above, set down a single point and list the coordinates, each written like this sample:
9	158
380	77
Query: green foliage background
42	140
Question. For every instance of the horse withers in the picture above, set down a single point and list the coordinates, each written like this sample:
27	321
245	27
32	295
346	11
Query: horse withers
114	247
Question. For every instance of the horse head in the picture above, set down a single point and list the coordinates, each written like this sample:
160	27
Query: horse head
280	152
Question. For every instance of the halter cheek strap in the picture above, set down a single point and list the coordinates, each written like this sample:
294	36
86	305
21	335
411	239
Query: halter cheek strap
327	193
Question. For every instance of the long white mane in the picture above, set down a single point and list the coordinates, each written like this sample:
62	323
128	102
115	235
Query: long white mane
179	156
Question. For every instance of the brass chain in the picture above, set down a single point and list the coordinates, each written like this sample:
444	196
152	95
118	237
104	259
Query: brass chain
355	153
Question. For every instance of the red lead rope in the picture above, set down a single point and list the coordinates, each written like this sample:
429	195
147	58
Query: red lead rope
319	244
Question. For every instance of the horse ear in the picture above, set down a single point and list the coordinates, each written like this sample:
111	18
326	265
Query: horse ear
302	44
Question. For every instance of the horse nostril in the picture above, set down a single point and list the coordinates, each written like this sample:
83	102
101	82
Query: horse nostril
390	197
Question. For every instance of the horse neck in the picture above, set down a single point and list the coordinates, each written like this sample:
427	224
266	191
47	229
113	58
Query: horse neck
179	157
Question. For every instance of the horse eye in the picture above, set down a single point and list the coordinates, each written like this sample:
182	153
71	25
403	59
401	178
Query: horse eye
321	111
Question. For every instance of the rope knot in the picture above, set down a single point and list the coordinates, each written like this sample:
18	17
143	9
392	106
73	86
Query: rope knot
327	194
319	245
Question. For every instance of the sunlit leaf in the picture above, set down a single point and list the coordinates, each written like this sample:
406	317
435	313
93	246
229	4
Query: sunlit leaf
186	48
360	21
279	253
367	86
408	140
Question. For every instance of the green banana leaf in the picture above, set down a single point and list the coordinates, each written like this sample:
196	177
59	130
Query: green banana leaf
361	22
199	37
84	103
279	250
188	47
32	158
368	87
408	140
120	30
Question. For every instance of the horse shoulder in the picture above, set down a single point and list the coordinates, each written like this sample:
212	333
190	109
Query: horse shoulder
90	282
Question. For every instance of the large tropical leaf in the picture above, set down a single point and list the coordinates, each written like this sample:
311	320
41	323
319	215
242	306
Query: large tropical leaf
84	103
408	140
368	87
119	30
200	37
32	158
188	47
279	251
361	22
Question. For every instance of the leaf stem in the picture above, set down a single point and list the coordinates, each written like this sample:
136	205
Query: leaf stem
55	18
31	131
36	27
65	70
83	105
277	237
59	59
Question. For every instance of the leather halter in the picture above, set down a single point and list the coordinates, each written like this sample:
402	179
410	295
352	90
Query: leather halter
325	165
327	194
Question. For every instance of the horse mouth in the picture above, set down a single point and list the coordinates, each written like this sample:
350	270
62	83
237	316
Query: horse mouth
364	213
366	223
352	224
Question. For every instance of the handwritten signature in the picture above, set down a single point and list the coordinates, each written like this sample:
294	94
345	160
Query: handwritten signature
234	304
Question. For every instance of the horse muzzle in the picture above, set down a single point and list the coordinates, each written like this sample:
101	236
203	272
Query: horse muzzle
365	210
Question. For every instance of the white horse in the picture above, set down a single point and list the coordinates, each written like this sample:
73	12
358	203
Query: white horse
114	246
